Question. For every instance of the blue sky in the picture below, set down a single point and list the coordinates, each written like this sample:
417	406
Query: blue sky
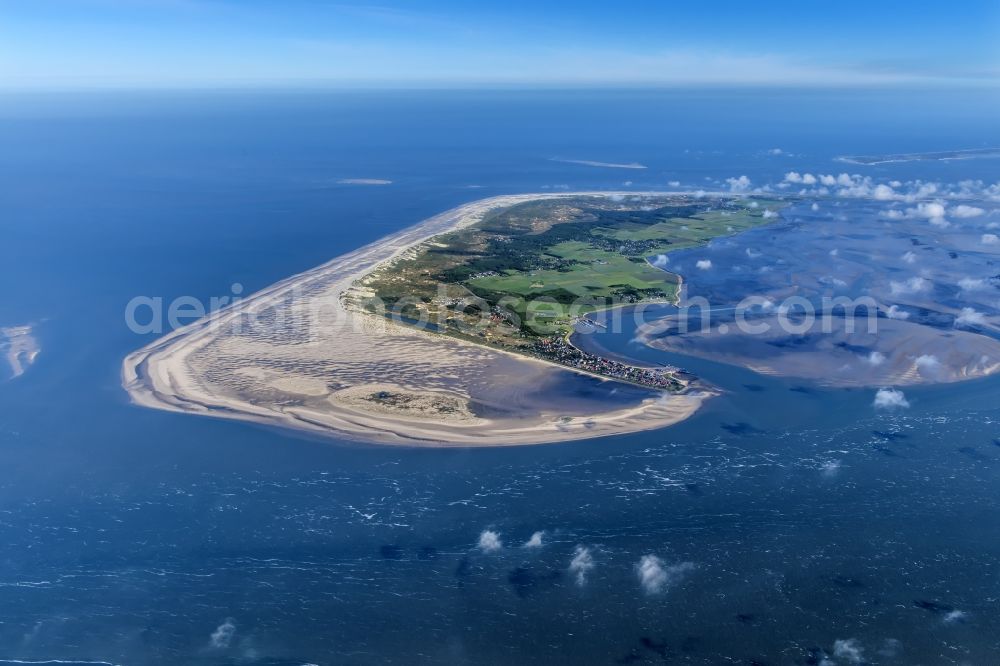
167	43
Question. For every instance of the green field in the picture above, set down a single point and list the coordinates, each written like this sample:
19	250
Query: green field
595	274
530	269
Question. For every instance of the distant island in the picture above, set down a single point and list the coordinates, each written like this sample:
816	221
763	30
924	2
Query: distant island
605	165
869	160
428	337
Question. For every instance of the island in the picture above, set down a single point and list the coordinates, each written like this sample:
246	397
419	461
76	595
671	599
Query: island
455	331
942	156
521	278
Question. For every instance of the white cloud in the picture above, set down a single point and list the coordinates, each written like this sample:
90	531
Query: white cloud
927	210
661	261
581	564
800	178
875	358
890	648
894	312
922	191
830	468
927	361
973	284
912	286
753	254
964	211
970	317
849	650
222	637
768	214
933	211
656	578
909	257
489	541
888	398
835	252
535	541
928	365
814	207
990	239
883	193
704	264
917	193
674	183
741	184
775	151
954	616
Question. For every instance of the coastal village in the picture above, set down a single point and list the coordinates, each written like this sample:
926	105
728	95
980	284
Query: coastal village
558	349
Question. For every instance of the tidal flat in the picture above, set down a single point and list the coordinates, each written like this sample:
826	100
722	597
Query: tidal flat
927	290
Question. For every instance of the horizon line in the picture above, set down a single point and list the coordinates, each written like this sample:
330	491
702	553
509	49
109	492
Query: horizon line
332	85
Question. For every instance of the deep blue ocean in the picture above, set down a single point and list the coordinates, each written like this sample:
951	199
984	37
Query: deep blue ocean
815	527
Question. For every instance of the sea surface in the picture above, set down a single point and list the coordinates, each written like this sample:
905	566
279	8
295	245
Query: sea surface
791	524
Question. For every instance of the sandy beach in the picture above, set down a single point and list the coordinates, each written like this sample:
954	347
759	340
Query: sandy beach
298	355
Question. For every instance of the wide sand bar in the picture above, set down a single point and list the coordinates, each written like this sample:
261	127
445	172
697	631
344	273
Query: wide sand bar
296	355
